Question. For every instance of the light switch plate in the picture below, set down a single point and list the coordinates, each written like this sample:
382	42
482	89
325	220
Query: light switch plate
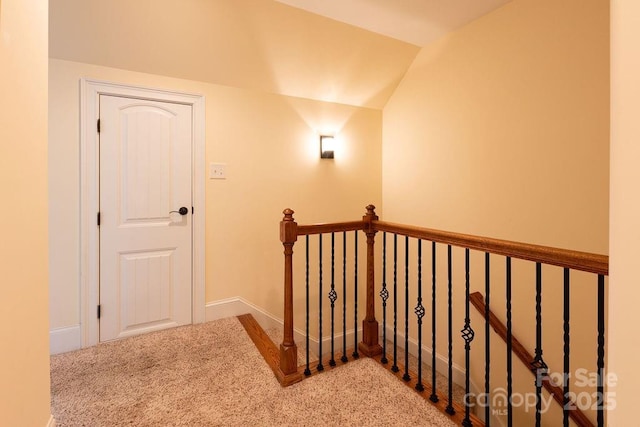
217	171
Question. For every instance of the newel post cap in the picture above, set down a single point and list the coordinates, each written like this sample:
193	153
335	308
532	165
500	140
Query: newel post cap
371	213
288	214
288	227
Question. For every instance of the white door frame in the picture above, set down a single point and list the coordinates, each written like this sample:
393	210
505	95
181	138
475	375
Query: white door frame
90	91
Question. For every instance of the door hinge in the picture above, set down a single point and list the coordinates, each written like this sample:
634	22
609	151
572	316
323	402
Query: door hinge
99	310
98	125
98	219
192	210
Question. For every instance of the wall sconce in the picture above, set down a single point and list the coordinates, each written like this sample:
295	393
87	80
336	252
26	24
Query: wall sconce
327	144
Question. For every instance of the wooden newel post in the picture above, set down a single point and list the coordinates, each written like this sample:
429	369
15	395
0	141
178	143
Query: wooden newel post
288	370
369	345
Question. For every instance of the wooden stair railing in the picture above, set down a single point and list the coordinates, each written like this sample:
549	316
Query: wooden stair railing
288	370
541	255
575	260
477	300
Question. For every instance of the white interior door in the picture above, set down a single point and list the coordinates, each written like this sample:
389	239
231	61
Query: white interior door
145	249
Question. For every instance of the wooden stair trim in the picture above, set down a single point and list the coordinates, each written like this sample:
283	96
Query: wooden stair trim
267	349
477	300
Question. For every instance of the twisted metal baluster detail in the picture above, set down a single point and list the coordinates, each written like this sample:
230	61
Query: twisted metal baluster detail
449	409
467	335
406	376
509	347
344	357
384	294
600	387
434	395
487	336
395	368
307	371
538	365
566	407
333	296
355	291
320	366
419	311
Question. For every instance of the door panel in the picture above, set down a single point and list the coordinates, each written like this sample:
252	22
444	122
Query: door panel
146	284
146	180
145	250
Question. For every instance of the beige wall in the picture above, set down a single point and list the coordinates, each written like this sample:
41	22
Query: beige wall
270	145
625	208
505	126
501	129
243	56
24	364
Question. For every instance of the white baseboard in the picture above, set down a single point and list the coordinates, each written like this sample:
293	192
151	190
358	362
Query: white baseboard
66	339
236	306
52	422
224	308
62	340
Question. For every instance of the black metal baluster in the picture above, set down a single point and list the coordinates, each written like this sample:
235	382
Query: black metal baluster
333	296
538	364
384	294
344	357
467	335
487	337
419	310
565	378
395	368
355	291
449	409
509	347
434	394
600	390
307	371
406	376
320	367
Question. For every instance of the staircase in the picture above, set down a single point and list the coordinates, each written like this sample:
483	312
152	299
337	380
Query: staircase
422	300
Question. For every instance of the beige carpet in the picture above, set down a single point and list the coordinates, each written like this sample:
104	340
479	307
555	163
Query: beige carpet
212	375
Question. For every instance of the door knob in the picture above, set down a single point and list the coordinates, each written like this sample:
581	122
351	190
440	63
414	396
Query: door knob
182	211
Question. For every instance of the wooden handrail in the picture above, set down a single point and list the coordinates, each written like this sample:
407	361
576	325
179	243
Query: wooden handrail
583	261
477	300
304	230
576	260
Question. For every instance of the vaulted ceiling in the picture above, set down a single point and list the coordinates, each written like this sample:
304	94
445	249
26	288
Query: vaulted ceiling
419	22
352	52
